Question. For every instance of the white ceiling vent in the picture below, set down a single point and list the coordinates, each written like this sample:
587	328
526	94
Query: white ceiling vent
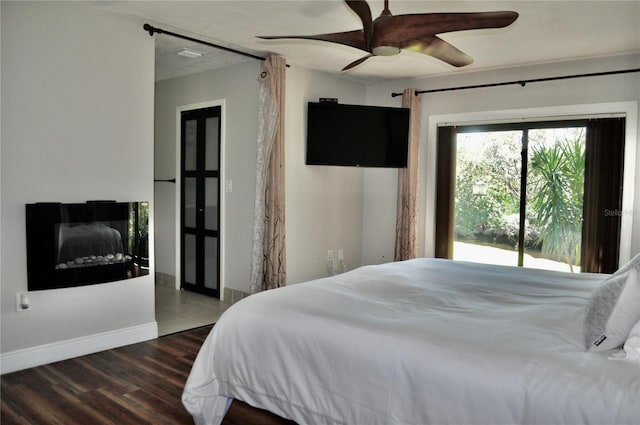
188	53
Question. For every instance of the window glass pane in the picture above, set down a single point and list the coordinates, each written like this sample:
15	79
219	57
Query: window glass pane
190	202
555	190
487	197
211	203
211	262
190	259
190	144
211	144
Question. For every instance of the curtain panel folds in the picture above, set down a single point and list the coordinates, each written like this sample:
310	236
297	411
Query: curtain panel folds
268	265
602	211
406	209
445	191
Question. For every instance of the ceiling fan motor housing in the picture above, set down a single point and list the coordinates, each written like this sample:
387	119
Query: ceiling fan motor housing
383	44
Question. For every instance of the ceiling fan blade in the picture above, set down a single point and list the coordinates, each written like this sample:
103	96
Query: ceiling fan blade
361	7
356	63
348	38
438	48
395	29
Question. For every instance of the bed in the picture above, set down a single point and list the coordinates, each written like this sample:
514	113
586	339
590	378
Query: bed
425	341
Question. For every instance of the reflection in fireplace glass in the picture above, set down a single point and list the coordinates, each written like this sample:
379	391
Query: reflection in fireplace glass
89	244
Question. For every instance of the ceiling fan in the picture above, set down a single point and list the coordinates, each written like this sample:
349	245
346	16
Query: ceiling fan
387	34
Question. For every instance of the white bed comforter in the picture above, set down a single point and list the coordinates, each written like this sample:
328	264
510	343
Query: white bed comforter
424	341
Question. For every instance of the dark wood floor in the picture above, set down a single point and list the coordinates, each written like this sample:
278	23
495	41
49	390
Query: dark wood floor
137	384
133	385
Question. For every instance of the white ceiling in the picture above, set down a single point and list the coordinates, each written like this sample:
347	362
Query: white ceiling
546	31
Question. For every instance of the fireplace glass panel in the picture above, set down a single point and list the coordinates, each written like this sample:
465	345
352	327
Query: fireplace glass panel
83	244
90	244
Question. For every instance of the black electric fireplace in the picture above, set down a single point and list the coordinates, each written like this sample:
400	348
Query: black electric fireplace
83	244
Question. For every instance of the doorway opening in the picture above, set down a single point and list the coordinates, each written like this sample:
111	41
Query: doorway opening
181	306
200	200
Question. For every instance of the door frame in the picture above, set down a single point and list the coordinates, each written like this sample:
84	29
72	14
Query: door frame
222	191
549	113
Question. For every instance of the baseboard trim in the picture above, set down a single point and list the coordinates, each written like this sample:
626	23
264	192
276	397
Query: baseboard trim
26	358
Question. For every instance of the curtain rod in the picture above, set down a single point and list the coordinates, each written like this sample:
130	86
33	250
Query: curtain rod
524	82
151	30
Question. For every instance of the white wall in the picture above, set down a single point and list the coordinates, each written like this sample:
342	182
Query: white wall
323	203
487	104
77	124
237	86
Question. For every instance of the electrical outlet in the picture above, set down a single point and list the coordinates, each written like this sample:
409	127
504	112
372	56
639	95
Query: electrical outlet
22	302
331	263
229	185
340	255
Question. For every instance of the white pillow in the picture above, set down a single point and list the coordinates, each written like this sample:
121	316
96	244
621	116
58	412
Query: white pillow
613	309
631	348
632	344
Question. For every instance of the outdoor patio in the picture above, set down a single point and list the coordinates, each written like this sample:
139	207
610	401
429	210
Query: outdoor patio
485	254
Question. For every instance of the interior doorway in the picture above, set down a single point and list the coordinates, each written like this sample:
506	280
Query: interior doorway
200	200
178	306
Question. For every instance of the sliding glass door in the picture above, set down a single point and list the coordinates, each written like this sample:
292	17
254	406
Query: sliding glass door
487	196
519	194
514	194
555	193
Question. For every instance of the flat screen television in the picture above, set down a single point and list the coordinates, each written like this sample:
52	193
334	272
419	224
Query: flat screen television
357	135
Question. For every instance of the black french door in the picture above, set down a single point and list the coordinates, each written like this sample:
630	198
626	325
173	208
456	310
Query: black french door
200	200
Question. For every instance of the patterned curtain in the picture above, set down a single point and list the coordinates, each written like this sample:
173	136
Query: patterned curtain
268	256
406	210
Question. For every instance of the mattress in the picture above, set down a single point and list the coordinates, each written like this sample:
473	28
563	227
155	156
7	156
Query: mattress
423	341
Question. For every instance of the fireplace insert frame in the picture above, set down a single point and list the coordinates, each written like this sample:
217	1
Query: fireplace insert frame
47	268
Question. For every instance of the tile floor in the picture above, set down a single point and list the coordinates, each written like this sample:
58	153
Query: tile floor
178	311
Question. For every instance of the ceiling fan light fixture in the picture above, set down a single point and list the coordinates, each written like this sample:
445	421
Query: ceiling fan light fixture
385	50
188	53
